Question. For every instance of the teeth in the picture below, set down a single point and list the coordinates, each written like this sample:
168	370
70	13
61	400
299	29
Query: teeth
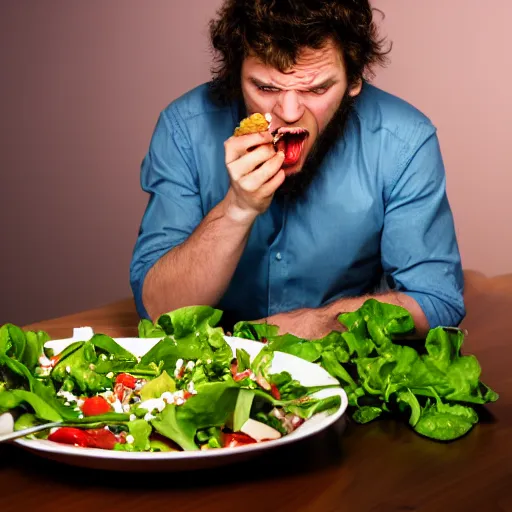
281	132
292	130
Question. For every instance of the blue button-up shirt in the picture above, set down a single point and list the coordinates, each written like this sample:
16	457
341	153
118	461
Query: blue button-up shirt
377	212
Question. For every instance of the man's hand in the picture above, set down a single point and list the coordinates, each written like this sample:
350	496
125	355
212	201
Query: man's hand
315	323
307	323
254	168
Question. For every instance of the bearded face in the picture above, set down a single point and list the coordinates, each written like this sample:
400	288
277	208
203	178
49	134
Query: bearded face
309	104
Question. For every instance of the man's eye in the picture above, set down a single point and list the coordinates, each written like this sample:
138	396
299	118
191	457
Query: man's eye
266	88
319	90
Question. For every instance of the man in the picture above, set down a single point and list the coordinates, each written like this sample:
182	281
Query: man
354	197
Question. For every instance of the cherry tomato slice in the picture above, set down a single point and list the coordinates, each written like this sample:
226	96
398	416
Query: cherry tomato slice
69	435
126	380
118	392
91	438
275	392
242	375
235	439
101	438
95	406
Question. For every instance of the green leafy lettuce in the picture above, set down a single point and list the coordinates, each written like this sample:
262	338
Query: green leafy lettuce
385	375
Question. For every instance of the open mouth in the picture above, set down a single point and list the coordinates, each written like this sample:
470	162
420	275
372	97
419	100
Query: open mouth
291	141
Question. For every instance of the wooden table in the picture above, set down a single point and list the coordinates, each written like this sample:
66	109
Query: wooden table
382	466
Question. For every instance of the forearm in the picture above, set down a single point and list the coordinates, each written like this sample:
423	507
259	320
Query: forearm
345	305
198	271
315	323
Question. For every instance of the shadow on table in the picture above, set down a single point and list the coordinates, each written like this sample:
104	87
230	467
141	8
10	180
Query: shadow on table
312	455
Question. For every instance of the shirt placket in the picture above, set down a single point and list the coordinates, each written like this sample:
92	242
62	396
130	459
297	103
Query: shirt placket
277	269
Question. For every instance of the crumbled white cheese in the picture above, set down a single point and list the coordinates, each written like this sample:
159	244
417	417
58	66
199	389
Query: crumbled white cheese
191	389
110	375
296	420
168	397
130	439
179	401
190	365
278	413
152	404
133	417
70	397
149	417
179	365
118	406
44	361
68	369
208	361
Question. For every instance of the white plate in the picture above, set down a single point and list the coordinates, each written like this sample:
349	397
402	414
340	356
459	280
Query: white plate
306	373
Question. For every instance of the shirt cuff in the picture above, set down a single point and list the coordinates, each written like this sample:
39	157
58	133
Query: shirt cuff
438	312
136	283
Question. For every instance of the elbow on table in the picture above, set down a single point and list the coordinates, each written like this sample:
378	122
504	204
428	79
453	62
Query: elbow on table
151	304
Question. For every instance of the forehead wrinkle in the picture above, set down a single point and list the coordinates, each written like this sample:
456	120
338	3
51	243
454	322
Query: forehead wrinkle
310	64
302	77
312	68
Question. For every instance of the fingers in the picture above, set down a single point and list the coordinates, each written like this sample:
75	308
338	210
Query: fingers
269	188
259	178
251	161
237	147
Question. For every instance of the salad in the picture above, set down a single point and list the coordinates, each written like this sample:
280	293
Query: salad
188	392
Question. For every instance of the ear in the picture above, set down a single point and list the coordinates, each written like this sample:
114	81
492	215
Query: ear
356	88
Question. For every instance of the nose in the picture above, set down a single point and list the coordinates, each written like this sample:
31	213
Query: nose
289	107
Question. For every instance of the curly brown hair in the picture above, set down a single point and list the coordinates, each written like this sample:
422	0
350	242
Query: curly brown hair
275	31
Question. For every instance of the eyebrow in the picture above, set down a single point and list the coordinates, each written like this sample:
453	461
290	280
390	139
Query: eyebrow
323	85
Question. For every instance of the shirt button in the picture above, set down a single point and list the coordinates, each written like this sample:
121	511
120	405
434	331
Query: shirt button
278	256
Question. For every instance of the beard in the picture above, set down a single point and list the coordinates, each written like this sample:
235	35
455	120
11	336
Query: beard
295	185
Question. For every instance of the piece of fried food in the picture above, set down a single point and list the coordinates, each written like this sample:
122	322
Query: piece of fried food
253	124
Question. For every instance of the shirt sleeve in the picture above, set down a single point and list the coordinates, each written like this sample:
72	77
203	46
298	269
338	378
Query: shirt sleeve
419	246
174	208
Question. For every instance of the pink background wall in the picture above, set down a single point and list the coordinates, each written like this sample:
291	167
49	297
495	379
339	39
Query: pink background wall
83	83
